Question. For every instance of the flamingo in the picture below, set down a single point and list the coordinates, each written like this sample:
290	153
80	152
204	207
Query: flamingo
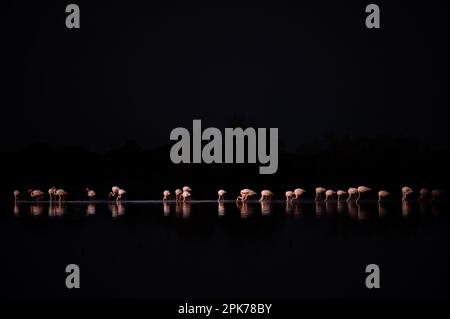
178	193
329	193
319	191
381	195
340	193
166	195
38	194
120	193
16	195
406	191
435	193
244	194
187	189
114	192
424	193
61	193
51	193
221	194
186	196
266	195
362	189
298	192
90	193
289	195
352	191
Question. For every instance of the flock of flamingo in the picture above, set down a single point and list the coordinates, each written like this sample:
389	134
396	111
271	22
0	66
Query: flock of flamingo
184	194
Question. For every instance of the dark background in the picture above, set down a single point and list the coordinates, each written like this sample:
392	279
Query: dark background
95	106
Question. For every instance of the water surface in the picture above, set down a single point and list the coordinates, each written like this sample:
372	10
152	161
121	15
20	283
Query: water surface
205	249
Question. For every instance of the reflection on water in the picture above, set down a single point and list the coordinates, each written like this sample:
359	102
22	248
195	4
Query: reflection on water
56	209
381	210
406	208
36	210
246	209
117	209
320	209
351	209
221	208
186	208
90	210
265	207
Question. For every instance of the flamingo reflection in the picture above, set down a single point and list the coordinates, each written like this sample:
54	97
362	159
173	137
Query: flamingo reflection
221	208
186	209
166	208
36	209
265	207
90	209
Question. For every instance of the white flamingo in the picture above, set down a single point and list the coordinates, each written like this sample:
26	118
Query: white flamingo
221	193
382	194
319	191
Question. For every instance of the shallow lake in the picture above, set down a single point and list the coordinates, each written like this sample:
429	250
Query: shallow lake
205	249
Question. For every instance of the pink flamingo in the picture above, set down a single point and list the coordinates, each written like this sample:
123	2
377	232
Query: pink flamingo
16	195
186	196
362	189
90	193
436	193
329	193
406	192
289	195
166	195
61	193
340	193
38	194
187	189
51	193
382	194
319	191
424	193
114	192
298	192
120	194
245	194
352	191
178	193
221	193
266	195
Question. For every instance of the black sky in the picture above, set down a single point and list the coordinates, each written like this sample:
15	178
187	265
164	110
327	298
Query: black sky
137	70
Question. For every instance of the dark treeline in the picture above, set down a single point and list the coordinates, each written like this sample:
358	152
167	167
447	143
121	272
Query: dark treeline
387	163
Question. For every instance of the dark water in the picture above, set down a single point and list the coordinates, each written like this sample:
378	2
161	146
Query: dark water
206	249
